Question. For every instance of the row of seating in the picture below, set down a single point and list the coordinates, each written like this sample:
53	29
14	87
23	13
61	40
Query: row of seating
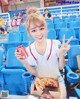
59	25
65	19
21	37
68	23
13	75
16	79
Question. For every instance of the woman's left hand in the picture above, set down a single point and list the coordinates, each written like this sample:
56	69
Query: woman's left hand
65	46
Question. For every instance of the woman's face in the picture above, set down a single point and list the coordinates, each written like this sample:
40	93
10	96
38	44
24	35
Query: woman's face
46	11
38	32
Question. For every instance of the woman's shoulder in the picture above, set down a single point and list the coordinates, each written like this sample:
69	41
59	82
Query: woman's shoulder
54	41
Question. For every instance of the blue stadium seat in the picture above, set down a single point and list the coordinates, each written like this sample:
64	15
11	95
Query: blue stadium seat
59	26
51	34
64	17
68	33
14	37
79	36
77	19
72	78
24	35
1	58
72	53
57	20
26	39
76	26
13	81
11	60
77	90
50	24
12	75
68	21
14	40
73	17
22	28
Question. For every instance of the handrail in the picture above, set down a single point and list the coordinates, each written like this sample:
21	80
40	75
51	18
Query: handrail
60	10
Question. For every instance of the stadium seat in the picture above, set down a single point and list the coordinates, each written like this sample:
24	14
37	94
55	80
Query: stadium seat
1	59
11	60
72	77
22	28
13	81
50	24
77	90
51	34
14	40
14	75
14	37
68	21
76	26
68	33
59	26
72	53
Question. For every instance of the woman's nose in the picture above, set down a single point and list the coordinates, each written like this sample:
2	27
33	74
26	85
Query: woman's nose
38	33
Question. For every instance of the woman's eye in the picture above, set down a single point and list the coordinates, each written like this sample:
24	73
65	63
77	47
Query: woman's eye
41	28
33	30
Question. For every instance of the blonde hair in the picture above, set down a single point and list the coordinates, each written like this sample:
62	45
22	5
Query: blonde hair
33	15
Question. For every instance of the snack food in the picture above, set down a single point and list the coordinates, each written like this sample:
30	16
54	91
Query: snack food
39	84
22	51
42	83
50	82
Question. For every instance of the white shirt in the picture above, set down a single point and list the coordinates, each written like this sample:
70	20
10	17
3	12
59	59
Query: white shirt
44	67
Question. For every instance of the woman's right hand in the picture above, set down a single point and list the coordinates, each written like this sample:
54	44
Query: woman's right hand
21	55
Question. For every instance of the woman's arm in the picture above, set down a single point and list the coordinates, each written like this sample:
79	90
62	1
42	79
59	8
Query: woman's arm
19	56
61	62
29	68
62	88
63	92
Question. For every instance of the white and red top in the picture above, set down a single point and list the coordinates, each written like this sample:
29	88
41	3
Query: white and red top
47	64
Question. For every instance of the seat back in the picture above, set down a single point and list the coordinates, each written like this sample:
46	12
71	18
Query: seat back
60	25
50	24
13	81
1	57
51	34
11	60
72	53
14	37
68	33
22	28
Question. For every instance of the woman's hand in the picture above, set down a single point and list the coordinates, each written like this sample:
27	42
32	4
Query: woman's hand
65	46
21	54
